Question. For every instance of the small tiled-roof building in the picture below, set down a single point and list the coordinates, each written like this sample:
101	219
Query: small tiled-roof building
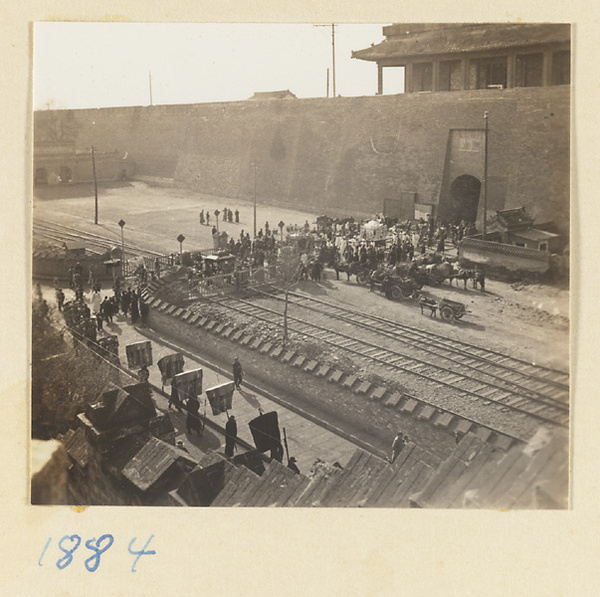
477	474
273	95
452	57
120	415
158	466
515	227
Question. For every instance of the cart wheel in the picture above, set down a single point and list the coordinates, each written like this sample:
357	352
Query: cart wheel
446	313
405	294
362	278
396	293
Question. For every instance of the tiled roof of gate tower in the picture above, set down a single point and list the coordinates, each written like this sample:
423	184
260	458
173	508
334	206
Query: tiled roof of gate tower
416	40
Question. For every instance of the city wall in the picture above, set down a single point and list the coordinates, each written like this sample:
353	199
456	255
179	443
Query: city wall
345	155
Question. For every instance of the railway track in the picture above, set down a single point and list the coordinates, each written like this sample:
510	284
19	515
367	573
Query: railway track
464	371
95	243
531	379
469	372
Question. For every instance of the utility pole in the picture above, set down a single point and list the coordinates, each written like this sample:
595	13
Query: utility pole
150	85
95	187
122	225
254	200
485	173
180	239
333	55
333	26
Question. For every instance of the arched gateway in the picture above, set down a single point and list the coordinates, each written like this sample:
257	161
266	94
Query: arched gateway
464	199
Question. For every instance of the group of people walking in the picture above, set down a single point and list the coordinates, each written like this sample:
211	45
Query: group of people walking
192	406
227	215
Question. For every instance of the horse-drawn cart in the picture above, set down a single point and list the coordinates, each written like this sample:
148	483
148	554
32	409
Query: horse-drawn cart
449	310
362	272
397	288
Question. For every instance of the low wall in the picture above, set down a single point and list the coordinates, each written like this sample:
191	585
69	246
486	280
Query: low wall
307	389
317	391
49	268
507	257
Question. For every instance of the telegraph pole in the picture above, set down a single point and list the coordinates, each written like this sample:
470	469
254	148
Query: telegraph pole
122	225
255	200
485	173
95	187
333	26
333	56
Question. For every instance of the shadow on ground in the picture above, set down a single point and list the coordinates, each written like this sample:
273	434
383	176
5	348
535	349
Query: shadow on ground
207	441
250	399
316	288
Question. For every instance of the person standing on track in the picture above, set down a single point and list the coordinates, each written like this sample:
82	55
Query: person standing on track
144	374
238	373
479	279
174	399
192	421
230	436
60	298
135	312
293	466
397	445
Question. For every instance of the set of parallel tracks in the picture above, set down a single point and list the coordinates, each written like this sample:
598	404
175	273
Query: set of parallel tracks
95	243
466	370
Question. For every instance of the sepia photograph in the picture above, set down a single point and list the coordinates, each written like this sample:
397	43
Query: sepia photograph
317	265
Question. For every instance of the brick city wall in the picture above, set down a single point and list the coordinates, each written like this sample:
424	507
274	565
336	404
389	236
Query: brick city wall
346	155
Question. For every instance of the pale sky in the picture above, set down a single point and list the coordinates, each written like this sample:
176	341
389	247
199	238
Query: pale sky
94	65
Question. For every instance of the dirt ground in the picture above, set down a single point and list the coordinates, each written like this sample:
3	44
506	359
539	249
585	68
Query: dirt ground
527	321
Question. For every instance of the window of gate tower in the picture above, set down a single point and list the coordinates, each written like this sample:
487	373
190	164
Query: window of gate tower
529	70
450	75
561	68
422	76
486	73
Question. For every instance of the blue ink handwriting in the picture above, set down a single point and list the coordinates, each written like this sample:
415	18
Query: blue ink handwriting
69	544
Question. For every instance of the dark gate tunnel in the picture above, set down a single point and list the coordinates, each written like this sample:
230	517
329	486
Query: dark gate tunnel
464	199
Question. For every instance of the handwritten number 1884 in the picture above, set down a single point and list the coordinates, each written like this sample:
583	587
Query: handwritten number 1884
70	543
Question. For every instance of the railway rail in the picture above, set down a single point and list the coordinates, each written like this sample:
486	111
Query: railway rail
470	372
461	372
109	358
534	380
95	243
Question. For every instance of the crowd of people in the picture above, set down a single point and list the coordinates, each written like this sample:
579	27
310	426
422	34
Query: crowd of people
227	215
375	246
103	309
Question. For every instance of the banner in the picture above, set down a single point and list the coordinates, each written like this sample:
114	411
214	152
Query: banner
265	432
189	384
170	366
221	397
138	354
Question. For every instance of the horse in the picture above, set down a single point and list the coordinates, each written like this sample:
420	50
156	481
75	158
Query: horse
464	275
